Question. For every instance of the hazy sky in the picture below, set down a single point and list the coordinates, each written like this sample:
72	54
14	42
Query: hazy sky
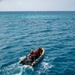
37	5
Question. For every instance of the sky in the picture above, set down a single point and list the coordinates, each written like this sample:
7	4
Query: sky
37	5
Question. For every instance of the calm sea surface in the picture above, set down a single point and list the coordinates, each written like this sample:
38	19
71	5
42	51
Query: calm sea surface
22	31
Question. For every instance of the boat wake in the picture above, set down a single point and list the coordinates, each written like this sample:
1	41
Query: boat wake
16	69
45	66
25	70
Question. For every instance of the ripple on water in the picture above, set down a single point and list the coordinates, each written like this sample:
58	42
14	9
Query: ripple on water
21	32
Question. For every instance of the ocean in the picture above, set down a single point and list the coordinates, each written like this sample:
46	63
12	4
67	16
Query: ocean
21	32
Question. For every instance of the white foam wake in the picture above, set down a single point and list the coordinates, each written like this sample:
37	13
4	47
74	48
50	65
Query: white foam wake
47	65
25	70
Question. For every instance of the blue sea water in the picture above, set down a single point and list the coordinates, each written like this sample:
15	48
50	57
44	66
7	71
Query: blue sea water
22	31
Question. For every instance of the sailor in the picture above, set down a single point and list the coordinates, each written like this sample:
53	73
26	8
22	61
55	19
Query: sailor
32	54
38	52
28	60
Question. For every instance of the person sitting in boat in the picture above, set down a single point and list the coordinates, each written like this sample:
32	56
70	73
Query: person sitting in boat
38	52
28	59
32	54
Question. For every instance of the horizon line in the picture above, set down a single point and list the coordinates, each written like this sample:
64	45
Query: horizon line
38	11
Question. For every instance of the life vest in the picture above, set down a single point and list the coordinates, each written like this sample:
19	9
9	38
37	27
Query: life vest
38	52
32	54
